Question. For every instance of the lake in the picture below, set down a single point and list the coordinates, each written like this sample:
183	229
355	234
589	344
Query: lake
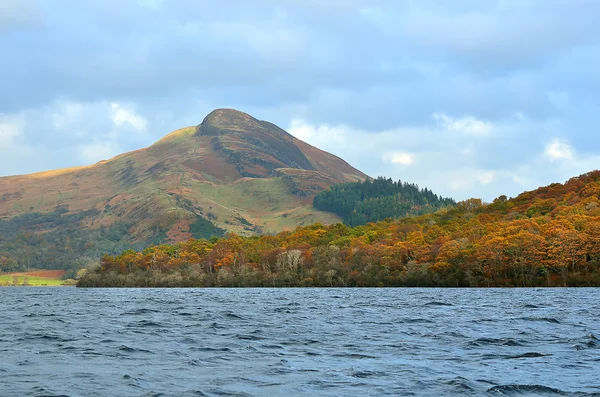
296	342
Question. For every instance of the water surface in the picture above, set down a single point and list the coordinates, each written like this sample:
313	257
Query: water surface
294	342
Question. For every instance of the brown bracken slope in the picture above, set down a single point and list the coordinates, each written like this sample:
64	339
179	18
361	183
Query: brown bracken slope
243	175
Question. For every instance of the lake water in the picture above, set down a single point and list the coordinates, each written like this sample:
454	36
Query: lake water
299	342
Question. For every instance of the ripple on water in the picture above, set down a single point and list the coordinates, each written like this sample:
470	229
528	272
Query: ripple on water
461	385
551	320
495	342
231	315
438	303
128	349
511	390
299	342
146	324
39	391
137	312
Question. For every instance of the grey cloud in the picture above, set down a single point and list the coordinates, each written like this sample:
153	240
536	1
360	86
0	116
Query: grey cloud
369	65
102	50
18	14
502	35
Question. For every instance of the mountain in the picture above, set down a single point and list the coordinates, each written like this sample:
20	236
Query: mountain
231	173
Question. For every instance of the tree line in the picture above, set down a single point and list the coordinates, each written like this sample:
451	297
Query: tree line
377	199
548	237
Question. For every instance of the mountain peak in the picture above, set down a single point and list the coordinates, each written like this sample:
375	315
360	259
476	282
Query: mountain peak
221	121
224	114
255	147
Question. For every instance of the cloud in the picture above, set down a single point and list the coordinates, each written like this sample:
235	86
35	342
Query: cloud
99	150
10	129
468	125
67	133
560	100
18	14
558	150
155	5
321	135
15	154
458	164
498	33
65	113
400	158
462	96
301	130
122	116
466	178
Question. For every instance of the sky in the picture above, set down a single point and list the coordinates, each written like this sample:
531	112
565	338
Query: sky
470	98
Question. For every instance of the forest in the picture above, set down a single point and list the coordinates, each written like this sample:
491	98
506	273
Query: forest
543	238
377	199
55	240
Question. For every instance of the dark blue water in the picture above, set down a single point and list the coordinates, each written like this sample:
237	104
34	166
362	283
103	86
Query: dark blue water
294	342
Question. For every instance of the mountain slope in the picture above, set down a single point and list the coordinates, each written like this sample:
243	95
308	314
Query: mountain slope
241	174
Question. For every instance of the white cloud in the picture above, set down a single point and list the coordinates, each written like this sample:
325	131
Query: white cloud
322	135
451	164
65	113
155	5
485	177
467	178
99	150
455	164
11	127
95	119
558	150
401	158
521	180
467	125
301	130
121	116
16	156
66	133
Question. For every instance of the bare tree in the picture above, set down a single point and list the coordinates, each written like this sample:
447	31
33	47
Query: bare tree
289	260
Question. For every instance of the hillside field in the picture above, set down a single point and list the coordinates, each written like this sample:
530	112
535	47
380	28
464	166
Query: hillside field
34	278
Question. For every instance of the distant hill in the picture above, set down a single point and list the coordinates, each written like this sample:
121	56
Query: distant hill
375	200
231	173
546	237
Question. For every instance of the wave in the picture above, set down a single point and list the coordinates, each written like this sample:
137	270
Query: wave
128	349
509	390
542	319
138	312
437	303
495	342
